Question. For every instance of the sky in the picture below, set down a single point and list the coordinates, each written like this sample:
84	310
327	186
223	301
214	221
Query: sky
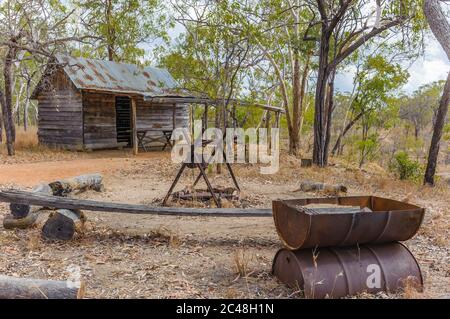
432	66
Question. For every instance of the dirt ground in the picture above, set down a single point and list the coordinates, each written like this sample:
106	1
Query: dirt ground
132	256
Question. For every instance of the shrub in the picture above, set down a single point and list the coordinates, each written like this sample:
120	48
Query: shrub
406	168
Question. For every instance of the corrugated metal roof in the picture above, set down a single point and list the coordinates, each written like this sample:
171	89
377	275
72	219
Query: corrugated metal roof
118	77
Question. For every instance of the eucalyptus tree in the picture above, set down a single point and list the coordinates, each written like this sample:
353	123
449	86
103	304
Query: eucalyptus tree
278	27
213	55
31	30
343	27
376	83
440	27
420	108
122	27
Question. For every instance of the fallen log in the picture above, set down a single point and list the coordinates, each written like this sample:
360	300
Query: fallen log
21	211
318	186
71	203
63	224
10	222
79	183
24	288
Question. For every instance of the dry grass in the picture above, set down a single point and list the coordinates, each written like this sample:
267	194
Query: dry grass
411	289
195	259
26	140
241	262
28	149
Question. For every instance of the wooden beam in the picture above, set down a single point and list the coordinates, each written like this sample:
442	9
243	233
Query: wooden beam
22	197
133	122
202	100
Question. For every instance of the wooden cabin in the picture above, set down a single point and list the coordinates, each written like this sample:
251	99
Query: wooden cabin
94	104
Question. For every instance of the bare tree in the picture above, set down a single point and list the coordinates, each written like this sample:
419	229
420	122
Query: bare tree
440	27
35	27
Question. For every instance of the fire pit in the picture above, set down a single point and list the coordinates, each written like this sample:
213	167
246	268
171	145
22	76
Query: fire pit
205	195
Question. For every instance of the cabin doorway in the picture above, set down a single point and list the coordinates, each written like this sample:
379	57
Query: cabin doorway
123	121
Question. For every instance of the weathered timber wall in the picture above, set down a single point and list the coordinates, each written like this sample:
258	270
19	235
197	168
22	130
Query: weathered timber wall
100	119
60	119
158	117
99	110
72	119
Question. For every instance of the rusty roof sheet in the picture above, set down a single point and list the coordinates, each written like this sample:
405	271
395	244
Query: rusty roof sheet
118	77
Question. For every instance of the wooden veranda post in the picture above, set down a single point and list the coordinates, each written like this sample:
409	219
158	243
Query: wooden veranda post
268	127
174	119
277	120
133	120
205	118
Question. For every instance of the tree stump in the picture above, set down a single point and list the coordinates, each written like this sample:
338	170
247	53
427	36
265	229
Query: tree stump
23	288
63	224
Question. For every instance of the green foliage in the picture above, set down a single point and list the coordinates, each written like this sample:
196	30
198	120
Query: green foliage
418	109
447	132
406	168
122	26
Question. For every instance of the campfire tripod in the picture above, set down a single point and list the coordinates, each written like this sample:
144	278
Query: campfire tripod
201	166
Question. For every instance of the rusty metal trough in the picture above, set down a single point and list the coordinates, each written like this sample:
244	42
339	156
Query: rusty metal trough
338	272
379	220
348	248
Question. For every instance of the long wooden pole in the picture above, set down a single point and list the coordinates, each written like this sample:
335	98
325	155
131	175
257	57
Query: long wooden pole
23	197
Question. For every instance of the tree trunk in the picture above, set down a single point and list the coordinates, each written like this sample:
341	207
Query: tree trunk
437	134
110	31
329	113
1	116
296	106
6	101
344	132
441	30
319	103
26	106
25	288
416	132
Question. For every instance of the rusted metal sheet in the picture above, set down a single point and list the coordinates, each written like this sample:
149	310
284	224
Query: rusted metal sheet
111	76
389	220
339	272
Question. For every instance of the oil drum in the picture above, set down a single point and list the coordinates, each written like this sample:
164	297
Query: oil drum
338	272
375	220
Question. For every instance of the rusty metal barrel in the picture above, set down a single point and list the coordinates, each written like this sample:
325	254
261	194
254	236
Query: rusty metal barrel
378	220
338	272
